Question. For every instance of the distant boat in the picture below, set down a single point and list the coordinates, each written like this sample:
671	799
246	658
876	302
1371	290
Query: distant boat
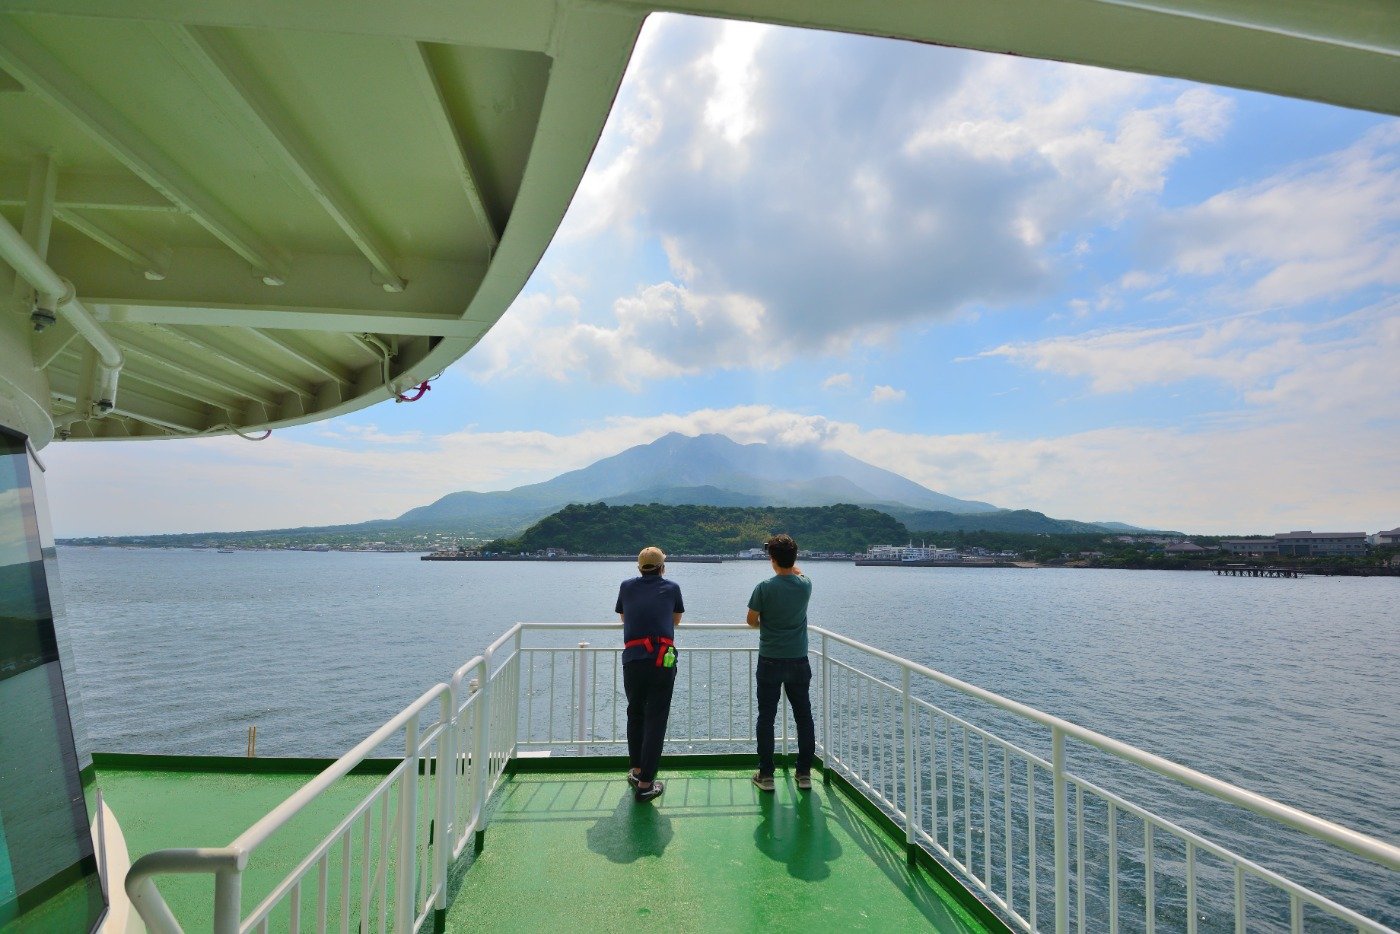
226	551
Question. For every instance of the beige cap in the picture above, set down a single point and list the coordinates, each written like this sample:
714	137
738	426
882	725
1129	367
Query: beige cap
651	558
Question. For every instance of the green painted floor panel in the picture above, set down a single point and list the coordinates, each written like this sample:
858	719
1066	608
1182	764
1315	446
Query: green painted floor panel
712	854
574	850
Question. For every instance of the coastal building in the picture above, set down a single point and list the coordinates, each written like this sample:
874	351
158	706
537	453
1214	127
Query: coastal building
1385	538
911	553
1309	544
1185	550
1250	546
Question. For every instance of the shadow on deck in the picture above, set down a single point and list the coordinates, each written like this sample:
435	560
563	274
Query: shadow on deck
713	853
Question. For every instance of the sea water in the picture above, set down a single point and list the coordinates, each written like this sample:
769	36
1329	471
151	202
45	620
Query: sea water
1285	687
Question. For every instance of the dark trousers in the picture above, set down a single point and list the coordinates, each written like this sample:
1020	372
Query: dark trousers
648	688
794	677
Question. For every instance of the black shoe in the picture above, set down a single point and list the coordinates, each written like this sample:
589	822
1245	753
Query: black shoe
655	791
632	779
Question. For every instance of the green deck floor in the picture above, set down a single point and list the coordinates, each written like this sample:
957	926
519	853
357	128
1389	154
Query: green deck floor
574	850
712	854
158	809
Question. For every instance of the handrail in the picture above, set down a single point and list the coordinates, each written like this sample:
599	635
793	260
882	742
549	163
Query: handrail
1361	844
251	838
488	750
1356	842
146	898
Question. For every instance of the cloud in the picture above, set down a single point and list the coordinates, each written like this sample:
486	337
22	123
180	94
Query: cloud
1316	411
660	331
887	394
837	381
1321	229
823	190
367	434
1341	362
1231	475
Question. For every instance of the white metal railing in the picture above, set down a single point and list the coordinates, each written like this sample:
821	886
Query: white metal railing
1042	844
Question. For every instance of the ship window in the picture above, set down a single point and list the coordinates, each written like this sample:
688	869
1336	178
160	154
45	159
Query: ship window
48	873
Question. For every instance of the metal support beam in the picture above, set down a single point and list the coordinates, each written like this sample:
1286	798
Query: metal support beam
324	292
237	361
297	319
123	243
88	192
303	355
165	358
32	64
135	404
184	389
235	81
52	341
38	216
422	68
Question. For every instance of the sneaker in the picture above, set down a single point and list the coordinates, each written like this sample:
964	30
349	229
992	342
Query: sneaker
764	782
632	779
655	791
804	781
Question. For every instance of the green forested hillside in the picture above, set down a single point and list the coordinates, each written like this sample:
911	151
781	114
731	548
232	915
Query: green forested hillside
602	529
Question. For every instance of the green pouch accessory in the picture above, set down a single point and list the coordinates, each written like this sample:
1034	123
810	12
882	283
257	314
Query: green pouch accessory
669	659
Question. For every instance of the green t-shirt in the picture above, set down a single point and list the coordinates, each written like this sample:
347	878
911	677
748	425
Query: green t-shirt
781	602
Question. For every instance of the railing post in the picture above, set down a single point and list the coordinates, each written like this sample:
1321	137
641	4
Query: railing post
581	679
909	802
826	703
445	774
405	897
102	848
453	763
1057	763
516	662
228	901
481	754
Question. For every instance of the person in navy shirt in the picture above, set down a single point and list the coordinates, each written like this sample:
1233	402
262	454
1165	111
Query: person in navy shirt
650	607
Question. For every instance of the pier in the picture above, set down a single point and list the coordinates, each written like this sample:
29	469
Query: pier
1242	570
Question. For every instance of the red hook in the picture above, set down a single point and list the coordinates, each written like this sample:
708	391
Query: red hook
418	393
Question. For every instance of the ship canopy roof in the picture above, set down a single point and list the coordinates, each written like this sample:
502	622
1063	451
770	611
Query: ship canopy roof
280	212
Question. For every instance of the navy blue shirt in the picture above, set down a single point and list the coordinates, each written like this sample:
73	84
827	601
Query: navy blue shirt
647	604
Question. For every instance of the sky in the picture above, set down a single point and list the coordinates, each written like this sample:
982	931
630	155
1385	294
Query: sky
1098	295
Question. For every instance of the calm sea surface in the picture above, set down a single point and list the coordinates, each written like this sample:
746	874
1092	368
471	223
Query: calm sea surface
1286	687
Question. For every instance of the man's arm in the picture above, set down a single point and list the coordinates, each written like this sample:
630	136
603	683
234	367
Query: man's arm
752	618
675	619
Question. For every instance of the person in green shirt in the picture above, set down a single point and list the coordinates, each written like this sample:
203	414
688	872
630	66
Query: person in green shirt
778	610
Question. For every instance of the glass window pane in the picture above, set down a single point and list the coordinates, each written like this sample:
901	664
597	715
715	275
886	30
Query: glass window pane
48	874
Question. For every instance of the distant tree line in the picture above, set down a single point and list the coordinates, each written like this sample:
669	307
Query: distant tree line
600	529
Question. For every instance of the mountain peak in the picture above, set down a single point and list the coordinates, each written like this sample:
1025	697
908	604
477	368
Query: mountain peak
703	469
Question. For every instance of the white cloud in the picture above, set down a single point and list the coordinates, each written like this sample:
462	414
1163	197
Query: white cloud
1317	414
827	190
887	394
367	434
1207	480
660	331
1341	362
838	381
1321	229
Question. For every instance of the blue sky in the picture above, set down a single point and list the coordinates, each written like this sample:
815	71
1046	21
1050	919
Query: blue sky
1098	295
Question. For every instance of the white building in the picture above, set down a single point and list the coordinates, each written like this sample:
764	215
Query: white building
911	553
1385	538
